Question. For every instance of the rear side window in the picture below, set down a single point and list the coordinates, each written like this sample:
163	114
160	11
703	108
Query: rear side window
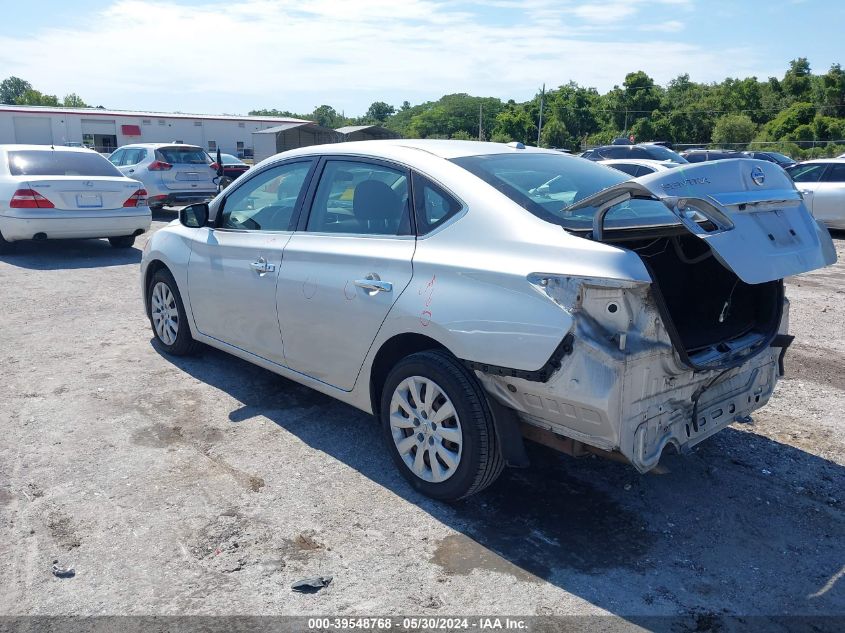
361	198
631	170
58	163
808	173
183	155
432	205
698	157
835	174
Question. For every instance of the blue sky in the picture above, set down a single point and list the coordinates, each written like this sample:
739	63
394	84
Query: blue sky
296	54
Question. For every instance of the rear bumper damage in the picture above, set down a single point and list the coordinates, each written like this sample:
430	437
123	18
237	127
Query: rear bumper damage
625	390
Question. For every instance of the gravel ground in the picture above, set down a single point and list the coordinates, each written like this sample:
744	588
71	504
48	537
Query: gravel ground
207	486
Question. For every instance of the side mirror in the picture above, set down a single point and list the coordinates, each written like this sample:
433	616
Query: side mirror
194	215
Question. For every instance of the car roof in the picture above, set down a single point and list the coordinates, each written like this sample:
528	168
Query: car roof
447	149
46	148
647	162
157	145
836	160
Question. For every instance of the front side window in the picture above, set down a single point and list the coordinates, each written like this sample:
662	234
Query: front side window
807	173
361	198
57	163
546	184
267	201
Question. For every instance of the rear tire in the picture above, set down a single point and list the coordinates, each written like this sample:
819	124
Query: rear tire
442	439
5	247
124	241
167	315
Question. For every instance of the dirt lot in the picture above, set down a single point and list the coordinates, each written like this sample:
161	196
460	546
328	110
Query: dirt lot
208	485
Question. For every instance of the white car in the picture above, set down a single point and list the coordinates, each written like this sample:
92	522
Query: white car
172	173
66	192
638	167
439	286
822	183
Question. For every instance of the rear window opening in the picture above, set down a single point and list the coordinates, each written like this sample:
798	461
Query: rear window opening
712	315
183	155
46	162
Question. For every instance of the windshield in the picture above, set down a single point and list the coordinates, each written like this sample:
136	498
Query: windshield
658	152
545	184
784	160
37	162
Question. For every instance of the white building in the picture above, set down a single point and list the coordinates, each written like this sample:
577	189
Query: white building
106	130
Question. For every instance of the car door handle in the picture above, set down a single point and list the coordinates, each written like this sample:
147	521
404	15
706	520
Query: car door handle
262	267
131	171
806	192
374	285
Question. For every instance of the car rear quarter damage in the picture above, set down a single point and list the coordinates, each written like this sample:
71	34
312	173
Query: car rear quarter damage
623	388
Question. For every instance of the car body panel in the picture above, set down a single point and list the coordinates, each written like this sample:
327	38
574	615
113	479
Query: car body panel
479	286
763	231
221	266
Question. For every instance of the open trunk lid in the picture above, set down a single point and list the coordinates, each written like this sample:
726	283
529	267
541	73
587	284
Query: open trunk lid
747	211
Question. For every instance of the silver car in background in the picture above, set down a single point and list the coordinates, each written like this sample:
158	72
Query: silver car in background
49	193
449	289
172	173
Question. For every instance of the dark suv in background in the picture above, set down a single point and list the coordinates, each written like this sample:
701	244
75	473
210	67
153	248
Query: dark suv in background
702	155
647	151
773	157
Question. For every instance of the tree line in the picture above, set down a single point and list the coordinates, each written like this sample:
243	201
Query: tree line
801	113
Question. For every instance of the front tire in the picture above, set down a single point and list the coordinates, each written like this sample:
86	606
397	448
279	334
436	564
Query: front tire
167	315
439	427
124	241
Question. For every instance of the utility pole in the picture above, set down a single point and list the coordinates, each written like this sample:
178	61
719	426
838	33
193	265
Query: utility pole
480	130
540	126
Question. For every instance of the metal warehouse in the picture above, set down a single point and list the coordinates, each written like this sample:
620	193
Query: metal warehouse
106	130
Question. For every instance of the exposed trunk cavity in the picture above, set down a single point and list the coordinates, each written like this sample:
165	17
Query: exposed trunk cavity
713	317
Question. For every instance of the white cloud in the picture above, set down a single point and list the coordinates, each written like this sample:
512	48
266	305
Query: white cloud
297	54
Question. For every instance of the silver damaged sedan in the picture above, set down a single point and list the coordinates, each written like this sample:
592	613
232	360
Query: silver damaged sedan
471	295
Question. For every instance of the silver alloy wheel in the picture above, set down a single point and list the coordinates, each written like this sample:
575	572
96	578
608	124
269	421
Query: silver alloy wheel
426	429
164	313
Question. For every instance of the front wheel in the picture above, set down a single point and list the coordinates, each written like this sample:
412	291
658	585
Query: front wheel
124	241
439	427
167	315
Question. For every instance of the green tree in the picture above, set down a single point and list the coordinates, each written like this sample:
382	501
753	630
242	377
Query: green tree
734	128
797	81
327	116
36	98
73	100
462	135
12	89
380	111
516	124
556	134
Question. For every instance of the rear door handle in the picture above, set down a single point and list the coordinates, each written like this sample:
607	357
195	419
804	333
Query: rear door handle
374	285
262	267
806	192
